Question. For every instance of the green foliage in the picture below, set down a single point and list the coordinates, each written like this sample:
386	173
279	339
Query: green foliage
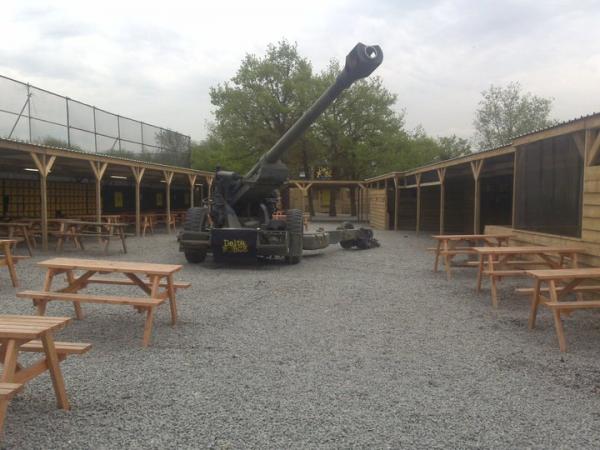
261	102
506	112
60	143
360	135
453	147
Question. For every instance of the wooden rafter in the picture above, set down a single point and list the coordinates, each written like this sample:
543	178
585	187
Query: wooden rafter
138	173
476	168
593	143
579	139
99	168
168	176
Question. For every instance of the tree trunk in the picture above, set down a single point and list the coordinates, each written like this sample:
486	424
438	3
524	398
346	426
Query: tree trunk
353	210
311	205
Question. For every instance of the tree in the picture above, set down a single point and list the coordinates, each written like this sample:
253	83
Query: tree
506	112
452	147
361	134
357	129
266	96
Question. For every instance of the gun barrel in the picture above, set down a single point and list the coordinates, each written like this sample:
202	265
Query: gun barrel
360	63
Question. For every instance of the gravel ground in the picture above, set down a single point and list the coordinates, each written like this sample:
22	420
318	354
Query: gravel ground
347	349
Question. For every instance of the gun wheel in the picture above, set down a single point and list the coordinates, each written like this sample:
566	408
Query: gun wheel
195	256
295	228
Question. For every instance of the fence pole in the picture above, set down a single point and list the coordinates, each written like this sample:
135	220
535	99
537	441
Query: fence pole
68	123
29	110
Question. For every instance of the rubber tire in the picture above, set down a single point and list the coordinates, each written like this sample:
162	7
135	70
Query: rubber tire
295	229
195	219
195	256
347	244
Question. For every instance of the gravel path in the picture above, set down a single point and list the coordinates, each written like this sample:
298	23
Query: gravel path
347	349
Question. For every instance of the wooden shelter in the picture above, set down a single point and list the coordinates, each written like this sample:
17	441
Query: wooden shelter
543	186
42	182
347	192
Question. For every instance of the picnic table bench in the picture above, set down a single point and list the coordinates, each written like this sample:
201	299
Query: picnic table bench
159	276
9	260
560	283
19	232
74	230
447	247
33	334
507	262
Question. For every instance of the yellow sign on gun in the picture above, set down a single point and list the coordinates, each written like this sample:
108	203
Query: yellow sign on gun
235	246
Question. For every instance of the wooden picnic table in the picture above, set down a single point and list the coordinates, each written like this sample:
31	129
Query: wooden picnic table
559	284
33	334
147	221
8	260
156	276
505	262
16	230
76	229
447	246
107	218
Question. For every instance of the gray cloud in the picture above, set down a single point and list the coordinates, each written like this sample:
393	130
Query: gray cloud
156	63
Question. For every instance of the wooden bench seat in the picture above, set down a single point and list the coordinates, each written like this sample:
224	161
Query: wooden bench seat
435	249
8	390
568	306
529	291
62	348
125	282
148	304
16	257
510	263
143	302
505	273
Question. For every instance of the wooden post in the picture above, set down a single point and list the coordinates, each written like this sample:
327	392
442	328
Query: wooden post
192	179
442	177
303	191
514	190
168	180
44	165
592	144
138	173
396	203
476	169
99	168
209	182
418	179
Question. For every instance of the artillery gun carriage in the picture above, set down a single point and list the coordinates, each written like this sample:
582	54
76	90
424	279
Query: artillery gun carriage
241	222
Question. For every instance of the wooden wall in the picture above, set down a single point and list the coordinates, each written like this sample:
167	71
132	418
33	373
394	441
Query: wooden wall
378	217
21	198
459	205
407	209
590	234
590	224
321	197
430	209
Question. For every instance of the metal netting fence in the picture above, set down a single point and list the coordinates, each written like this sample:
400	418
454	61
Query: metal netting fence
37	116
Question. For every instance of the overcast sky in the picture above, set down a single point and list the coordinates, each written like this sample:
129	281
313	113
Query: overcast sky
155	61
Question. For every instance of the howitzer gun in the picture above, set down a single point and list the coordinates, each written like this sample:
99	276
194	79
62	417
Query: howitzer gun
241	222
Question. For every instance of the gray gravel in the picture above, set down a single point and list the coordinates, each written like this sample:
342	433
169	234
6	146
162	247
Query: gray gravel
347	349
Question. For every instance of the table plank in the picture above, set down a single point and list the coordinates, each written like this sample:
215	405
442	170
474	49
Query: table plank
472	237
525	250
110	266
558	274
